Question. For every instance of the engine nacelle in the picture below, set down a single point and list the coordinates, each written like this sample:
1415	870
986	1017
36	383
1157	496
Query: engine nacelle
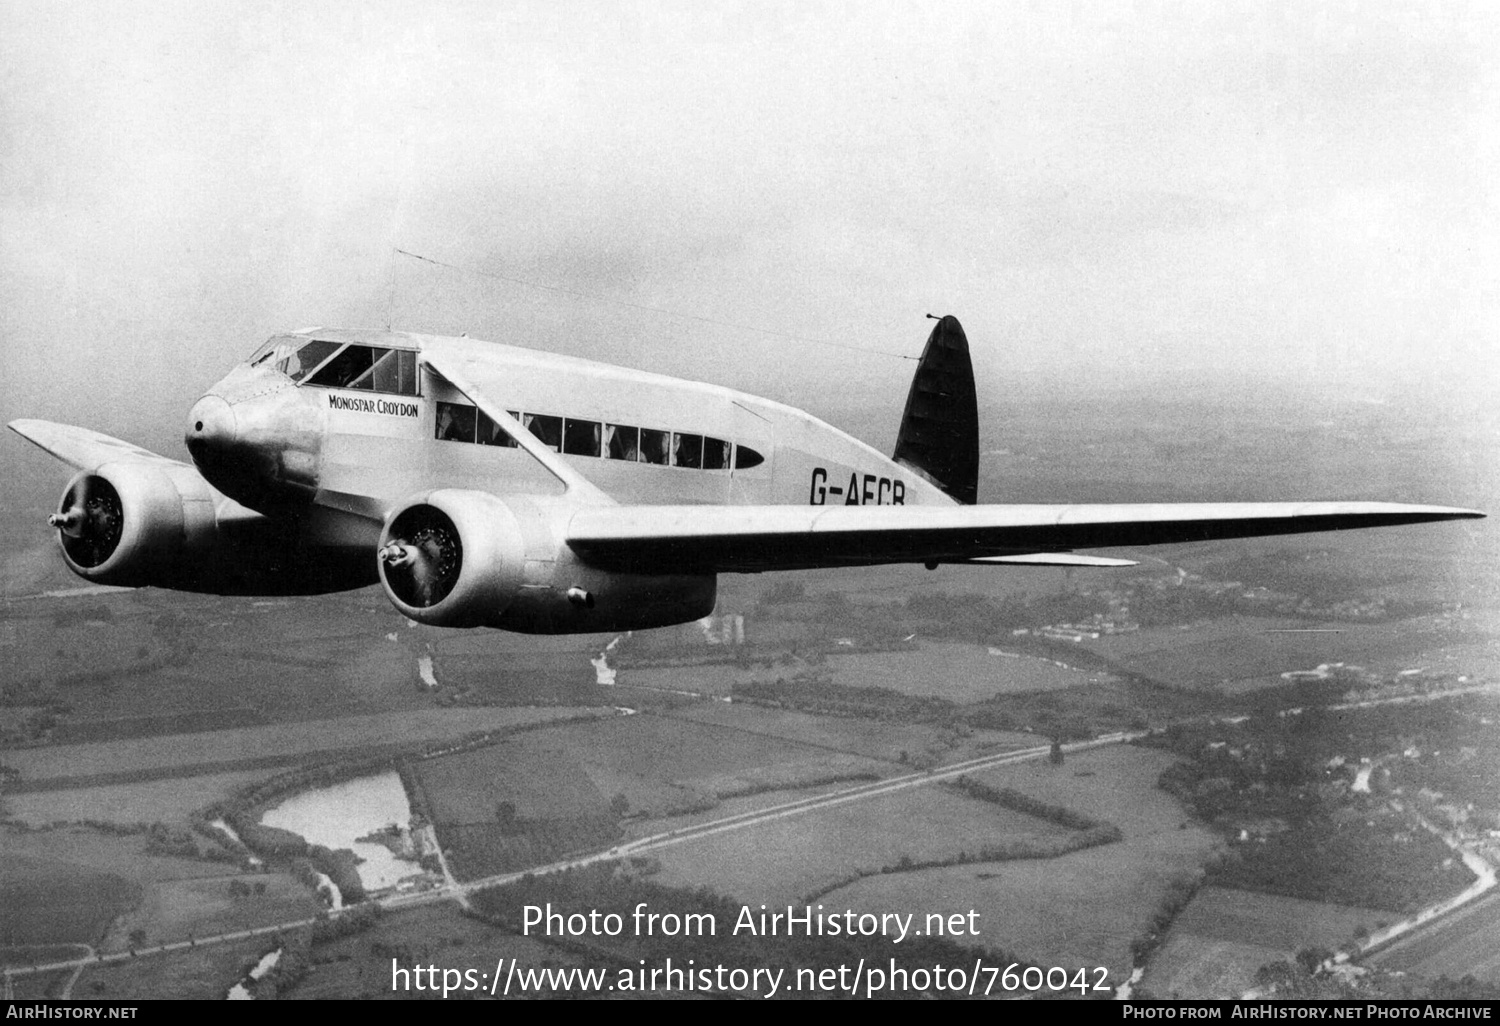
135	524
457	558
453	558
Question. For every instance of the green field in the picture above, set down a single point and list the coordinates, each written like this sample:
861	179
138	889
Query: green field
884	740
195	974
360	966
1081	909
174	910
211	748
1237	653
784	860
955	671
1223	936
145	802
50	902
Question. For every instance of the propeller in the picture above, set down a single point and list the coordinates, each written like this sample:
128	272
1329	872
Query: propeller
422	566
90	520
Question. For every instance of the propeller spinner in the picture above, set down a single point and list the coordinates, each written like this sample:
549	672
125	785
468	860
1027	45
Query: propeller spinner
422	564
90	520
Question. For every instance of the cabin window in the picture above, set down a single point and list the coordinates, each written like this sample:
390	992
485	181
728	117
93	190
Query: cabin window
687	450
654	446
746	457
548	430
306	359
580	437
715	454
621	442
455	422
491	433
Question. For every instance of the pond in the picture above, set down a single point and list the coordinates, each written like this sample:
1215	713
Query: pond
336	816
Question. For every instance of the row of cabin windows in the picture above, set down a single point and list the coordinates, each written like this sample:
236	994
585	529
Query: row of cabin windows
379	369
460	422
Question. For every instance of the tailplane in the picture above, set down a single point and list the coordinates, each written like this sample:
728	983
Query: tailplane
939	436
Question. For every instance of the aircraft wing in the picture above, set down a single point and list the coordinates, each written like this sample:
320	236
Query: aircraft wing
81	448
747	539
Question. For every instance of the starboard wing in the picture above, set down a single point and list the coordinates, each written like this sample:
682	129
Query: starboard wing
81	448
717	539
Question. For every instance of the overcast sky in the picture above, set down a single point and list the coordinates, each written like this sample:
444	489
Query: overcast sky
1196	192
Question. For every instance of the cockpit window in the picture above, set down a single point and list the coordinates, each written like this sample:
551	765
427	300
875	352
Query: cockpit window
366	368
306	359
347	369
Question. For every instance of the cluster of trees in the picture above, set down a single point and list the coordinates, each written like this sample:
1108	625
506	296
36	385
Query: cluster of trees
1348	863
483	849
828	699
240	889
1176	898
340	866
162	839
1025	803
1270	776
330	927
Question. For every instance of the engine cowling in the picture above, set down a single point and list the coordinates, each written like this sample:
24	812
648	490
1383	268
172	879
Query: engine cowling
453	558
134	524
458	558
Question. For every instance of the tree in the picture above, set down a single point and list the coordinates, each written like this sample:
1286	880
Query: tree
1309	959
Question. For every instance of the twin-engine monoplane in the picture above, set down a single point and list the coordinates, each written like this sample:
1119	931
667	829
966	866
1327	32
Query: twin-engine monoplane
489	485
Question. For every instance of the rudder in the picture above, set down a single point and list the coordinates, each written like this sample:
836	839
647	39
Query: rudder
939	436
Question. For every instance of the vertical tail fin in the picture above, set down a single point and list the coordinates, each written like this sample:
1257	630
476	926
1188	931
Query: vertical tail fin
939	436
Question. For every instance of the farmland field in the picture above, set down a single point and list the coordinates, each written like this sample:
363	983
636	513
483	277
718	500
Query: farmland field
360	966
200	974
786	859
144	802
875	739
1084	908
174	910
1209	663
120	758
51	902
1465	943
1223	936
955	671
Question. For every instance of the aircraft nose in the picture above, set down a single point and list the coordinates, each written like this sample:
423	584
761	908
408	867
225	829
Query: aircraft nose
211	426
